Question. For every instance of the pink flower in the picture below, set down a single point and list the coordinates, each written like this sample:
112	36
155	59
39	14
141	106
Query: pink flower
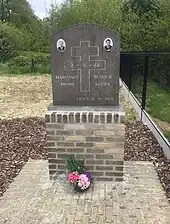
73	177
83	182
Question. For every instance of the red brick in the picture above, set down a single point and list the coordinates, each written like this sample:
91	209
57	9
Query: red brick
104	167
116	174
52	167
55	126
50	144
64	133
57	161
104	156
94	139
104	179
53	117
50	132
111	162
119	179
61	167
82	144
47	118
94	162
89	168
65	144
97	173
95	150
75	150
52	155
119	168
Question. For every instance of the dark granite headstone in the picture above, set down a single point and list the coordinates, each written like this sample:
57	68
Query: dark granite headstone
85	66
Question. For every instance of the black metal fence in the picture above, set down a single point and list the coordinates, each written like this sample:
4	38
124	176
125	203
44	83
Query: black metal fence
147	76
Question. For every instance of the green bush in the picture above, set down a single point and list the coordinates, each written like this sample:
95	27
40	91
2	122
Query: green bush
30	62
11	40
28	57
159	70
4	70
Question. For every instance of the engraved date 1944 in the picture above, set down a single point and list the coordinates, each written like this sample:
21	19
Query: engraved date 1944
94	98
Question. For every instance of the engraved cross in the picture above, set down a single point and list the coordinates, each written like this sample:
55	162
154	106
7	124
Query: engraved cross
81	62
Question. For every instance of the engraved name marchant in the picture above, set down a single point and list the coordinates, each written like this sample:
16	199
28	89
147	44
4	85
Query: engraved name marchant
85	63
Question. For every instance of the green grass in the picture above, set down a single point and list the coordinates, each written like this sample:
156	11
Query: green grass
158	105
136	88
4	70
158	98
158	102
167	135
7	70
27	63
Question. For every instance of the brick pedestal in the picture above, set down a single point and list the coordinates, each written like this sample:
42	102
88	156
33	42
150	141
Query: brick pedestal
97	135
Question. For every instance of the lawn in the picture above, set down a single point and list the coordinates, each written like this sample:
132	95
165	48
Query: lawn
158	106
8	70
27	63
157	103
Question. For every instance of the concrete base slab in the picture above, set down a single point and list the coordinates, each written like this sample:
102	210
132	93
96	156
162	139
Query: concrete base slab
33	199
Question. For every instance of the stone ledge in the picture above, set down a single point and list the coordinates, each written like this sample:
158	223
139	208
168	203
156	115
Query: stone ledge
114	117
85	108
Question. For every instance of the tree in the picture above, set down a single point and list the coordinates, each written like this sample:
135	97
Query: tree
142	7
16	11
11	40
20	15
143	26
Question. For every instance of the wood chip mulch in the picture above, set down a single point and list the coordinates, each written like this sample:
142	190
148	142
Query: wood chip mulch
21	139
141	145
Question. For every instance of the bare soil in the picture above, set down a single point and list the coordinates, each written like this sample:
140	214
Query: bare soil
29	96
24	96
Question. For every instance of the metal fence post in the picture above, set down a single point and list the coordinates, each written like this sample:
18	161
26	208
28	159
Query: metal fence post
145	81
2	10
32	65
130	73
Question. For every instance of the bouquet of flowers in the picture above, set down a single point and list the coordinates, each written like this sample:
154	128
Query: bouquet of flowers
77	176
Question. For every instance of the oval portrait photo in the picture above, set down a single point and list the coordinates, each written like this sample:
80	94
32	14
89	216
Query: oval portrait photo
61	45
108	44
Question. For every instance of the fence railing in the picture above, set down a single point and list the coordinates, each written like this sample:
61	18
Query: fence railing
147	76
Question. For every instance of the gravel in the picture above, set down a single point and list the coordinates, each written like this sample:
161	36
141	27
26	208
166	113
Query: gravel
21	139
141	145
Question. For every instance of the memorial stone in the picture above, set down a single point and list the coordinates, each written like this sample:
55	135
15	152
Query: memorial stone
86	72
85	118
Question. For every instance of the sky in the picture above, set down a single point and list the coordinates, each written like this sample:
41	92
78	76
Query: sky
41	6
